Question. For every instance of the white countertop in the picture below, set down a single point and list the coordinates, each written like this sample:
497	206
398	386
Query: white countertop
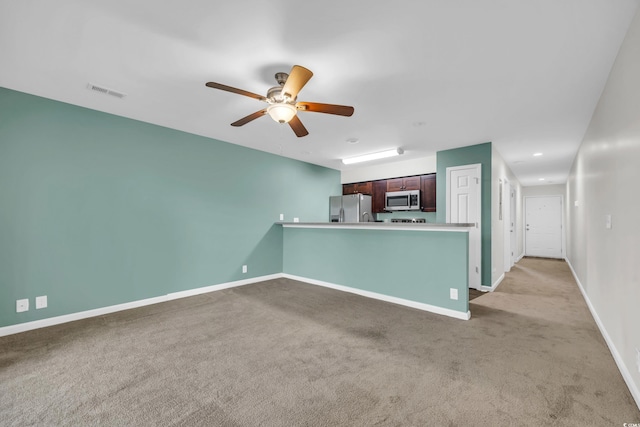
380	226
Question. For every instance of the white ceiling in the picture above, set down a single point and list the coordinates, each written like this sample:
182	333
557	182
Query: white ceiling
423	75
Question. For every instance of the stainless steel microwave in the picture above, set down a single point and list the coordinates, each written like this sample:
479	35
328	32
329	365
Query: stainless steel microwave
402	200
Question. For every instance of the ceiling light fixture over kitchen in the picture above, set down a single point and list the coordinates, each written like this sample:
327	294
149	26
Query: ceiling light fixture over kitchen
373	156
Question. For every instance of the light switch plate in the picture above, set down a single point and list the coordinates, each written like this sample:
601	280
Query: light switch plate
281	217
41	302
453	293
607	222
296	219
22	305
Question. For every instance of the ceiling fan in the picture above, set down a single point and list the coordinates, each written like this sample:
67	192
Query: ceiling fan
283	107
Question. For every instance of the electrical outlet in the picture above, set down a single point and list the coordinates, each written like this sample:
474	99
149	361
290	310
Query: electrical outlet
453	293
281	217
22	305
244	269
607	222
296	219
41	302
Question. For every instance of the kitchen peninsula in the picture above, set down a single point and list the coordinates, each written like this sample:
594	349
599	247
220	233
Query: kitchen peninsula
424	266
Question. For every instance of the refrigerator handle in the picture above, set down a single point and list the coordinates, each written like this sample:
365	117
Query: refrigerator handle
341	218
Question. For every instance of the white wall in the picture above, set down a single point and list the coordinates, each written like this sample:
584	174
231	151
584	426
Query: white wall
500	173
545	190
603	181
397	169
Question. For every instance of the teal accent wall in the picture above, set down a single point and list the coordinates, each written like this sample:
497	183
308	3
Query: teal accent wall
419	266
97	210
473	154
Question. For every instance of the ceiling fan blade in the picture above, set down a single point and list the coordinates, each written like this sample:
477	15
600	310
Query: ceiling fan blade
236	90
298	127
298	77
250	117
315	107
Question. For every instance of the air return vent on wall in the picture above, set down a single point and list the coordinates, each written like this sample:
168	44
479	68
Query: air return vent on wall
105	90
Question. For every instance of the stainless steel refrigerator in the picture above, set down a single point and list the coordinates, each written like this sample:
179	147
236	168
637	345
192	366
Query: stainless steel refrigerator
350	208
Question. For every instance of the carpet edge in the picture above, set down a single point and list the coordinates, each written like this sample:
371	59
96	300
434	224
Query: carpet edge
395	300
622	367
65	318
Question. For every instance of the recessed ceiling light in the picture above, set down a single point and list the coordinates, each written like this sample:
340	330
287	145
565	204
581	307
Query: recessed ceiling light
418	124
541	179
537	154
353	140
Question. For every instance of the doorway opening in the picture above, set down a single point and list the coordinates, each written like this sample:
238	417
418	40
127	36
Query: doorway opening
543	226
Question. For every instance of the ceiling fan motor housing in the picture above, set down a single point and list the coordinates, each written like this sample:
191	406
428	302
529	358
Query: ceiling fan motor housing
275	94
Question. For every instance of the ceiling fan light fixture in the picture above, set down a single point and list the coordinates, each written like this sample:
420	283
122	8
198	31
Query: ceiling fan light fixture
283	107
282	112
373	156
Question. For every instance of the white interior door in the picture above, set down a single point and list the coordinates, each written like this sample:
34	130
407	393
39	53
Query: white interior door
463	206
543	226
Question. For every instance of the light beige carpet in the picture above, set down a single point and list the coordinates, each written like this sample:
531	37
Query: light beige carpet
285	353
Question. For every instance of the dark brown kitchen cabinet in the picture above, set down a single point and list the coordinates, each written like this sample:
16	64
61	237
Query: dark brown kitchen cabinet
348	189
358	187
404	184
428	192
377	199
377	189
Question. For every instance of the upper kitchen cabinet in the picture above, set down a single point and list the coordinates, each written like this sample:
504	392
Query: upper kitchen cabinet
377	198
377	189
403	184
428	192
358	187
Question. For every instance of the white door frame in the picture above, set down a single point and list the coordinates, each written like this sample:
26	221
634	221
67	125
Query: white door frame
524	223
472	243
506	223
513	226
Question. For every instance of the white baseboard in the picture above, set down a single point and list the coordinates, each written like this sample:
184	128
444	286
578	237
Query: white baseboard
494	285
622	367
43	323
520	257
213	288
382	297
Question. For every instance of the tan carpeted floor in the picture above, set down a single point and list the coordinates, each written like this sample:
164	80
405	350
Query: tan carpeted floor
284	353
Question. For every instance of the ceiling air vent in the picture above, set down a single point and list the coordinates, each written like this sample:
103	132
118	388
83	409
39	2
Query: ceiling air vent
105	90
